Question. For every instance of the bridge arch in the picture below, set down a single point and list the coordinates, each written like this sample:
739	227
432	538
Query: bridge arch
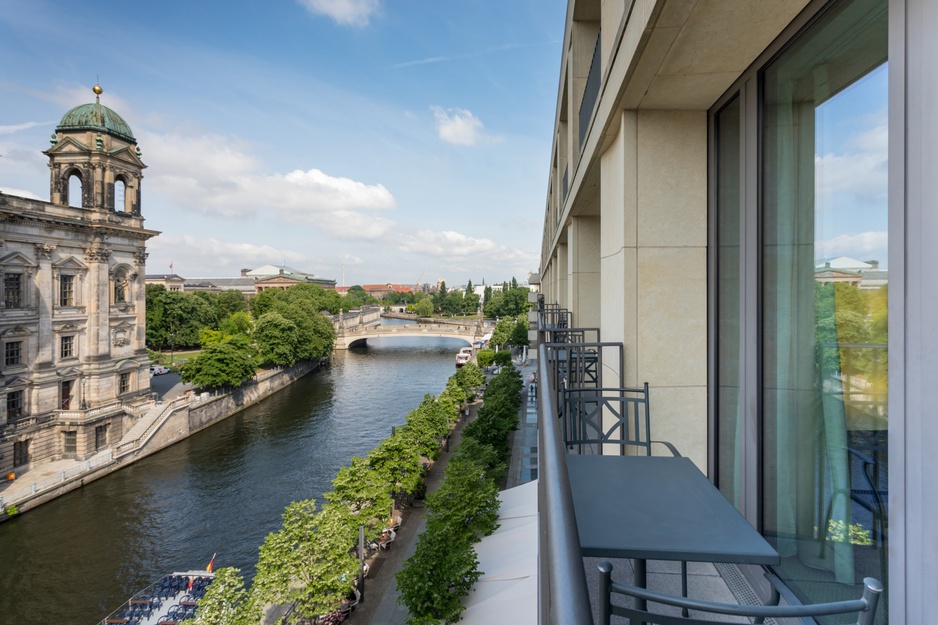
359	337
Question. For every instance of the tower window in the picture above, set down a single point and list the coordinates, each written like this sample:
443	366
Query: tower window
66	400
68	347
70	440
66	290
13	353
120	192
15	404
74	190
13	290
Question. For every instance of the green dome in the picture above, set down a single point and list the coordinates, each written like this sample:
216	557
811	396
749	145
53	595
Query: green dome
96	117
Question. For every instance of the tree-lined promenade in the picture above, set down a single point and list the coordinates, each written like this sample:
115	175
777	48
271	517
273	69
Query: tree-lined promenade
310	564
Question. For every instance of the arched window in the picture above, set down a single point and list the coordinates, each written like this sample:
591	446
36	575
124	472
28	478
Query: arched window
74	189
120	189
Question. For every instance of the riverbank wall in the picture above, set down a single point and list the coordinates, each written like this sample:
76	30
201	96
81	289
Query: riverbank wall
46	481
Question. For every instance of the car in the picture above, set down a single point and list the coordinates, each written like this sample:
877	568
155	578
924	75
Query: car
158	370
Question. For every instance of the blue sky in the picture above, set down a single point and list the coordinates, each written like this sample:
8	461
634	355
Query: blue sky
394	141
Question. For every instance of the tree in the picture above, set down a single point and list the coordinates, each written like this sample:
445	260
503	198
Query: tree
485	357
307	561
174	319
452	303
277	340
364	492
398	463
519	332
424	308
356	298
227	602
510	303
237	323
434	580
502	332
228	363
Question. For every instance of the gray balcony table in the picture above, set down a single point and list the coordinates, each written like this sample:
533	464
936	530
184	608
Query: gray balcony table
658	508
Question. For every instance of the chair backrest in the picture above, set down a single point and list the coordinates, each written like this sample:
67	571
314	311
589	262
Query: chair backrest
864	607
607	416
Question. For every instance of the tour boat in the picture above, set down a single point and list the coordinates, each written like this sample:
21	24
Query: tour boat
169	601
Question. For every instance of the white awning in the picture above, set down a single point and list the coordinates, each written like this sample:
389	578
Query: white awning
507	591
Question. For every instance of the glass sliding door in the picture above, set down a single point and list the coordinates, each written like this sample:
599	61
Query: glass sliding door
824	291
728	310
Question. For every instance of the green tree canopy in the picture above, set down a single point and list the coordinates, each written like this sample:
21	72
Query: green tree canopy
228	363
307	561
227	602
277	340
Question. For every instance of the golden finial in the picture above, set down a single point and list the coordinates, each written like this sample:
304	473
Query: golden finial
97	89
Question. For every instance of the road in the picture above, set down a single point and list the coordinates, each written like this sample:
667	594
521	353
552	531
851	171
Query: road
168	386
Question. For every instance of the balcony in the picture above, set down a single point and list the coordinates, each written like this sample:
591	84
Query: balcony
578	403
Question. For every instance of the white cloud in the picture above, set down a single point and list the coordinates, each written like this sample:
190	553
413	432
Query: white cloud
189	254
8	130
859	167
348	12
454	246
862	246
20	193
459	126
216	176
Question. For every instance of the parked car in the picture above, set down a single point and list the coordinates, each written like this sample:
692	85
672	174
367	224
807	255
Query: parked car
158	370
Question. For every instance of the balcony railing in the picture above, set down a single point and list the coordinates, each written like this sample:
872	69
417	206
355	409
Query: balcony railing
591	92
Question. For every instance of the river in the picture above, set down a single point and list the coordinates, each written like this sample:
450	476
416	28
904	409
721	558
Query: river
222	490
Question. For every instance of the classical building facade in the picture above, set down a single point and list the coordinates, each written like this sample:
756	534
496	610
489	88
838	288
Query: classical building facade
707	157
74	364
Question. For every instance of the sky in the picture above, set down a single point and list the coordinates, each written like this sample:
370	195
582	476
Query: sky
851	172
365	141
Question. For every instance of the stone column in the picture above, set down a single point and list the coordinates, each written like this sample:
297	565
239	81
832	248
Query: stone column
139	298
96	294
45	304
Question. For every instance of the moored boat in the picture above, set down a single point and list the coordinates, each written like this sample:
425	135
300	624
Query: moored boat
170	601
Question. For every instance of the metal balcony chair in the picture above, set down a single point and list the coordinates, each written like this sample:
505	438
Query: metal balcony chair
637	612
597	417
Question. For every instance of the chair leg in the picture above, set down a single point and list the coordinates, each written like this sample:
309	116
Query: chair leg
684	611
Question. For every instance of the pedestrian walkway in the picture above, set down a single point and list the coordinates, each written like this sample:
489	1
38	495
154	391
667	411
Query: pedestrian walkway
379	602
381	607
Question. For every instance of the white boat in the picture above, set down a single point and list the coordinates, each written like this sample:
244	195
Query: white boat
169	601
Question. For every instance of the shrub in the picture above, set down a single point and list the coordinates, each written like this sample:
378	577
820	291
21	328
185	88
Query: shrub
485	357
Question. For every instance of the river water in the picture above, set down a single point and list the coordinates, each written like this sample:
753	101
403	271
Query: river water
77	558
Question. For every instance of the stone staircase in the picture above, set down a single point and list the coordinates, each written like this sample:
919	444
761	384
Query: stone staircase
138	435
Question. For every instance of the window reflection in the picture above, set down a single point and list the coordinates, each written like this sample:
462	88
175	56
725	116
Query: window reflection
825	287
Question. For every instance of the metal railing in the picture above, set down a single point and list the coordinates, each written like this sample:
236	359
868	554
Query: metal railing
21	492
591	91
563	595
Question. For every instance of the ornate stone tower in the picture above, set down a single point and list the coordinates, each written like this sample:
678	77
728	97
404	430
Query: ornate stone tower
95	145
74	366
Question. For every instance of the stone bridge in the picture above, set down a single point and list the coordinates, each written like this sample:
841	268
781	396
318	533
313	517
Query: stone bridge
358	336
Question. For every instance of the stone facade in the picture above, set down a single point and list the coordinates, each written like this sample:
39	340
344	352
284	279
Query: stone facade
72	323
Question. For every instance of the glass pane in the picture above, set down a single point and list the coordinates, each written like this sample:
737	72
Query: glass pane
729	437
824	185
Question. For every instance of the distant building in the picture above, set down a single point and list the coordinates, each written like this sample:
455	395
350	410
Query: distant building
862	274
381	291
72	332
170	281
250	282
